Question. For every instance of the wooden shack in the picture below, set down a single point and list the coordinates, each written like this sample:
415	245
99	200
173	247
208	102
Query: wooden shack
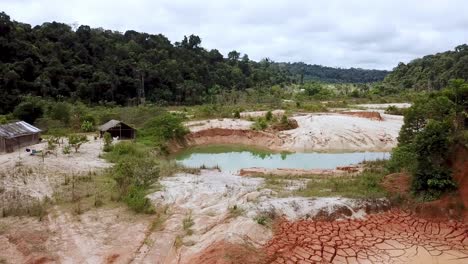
17	135
117	129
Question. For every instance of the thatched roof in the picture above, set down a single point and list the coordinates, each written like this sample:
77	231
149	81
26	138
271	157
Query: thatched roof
17	129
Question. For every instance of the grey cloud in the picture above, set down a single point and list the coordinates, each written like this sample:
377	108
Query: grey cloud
364	33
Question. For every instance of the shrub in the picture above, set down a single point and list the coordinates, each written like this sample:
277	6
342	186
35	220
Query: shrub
107	142
3	119
29	110
60	111
134	177
66	149
393	110
269	116
75	141
237	114
260	124
87	126
137	201
164	127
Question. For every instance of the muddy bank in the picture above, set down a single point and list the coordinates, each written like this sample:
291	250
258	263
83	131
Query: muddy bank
222	136
339	171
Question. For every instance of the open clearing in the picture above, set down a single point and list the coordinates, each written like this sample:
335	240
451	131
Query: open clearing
222	217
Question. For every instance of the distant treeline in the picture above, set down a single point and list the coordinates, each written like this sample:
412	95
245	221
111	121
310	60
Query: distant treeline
431	72
302	72
96	65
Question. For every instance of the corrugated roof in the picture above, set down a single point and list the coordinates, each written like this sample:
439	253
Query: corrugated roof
17	129
110	124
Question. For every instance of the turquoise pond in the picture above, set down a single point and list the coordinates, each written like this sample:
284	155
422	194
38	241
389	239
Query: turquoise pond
234	158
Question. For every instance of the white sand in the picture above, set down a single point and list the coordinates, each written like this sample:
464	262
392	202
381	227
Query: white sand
335	132
226	123
30	176
208	197
324	132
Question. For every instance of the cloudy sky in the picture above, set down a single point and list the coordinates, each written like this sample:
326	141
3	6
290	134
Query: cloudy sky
340	33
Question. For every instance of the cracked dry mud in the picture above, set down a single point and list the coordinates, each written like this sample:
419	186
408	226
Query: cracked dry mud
391	237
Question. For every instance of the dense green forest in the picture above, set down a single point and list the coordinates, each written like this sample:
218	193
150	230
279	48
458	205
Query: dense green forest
96	65
431	72
302	72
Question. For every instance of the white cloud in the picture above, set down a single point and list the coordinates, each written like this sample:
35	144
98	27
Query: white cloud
366	33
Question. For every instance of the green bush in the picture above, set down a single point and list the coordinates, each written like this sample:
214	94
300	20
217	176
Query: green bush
75	141
164	127
137	201
260	124
237	114
29	110
3	119
107	142
66	149
87	126
268	116
60	111
125	150
134	177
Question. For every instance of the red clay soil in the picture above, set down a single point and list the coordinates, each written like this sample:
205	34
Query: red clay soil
460	173
391	237
369	115
397	183
228	136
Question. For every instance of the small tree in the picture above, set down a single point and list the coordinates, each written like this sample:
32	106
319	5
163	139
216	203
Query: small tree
269	116
76	141
107	142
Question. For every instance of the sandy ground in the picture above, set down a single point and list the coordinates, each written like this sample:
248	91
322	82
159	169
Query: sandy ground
213	208
26	176
316	132
208	199
96	236
336	132
226	123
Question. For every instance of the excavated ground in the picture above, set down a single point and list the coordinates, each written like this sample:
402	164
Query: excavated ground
350	131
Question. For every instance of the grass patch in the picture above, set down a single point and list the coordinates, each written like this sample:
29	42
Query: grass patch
364	185
266	217
187	223
235	211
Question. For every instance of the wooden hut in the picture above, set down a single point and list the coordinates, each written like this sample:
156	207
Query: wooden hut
117	129
17	135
